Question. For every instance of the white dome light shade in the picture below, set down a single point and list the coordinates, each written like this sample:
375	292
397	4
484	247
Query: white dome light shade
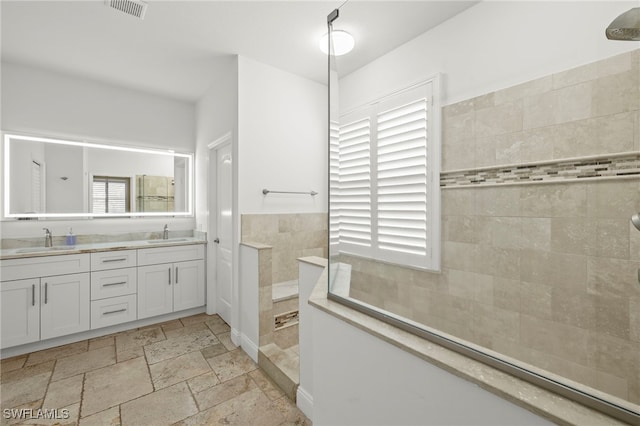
343	42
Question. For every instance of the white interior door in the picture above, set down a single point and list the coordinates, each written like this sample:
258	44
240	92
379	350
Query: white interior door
223	229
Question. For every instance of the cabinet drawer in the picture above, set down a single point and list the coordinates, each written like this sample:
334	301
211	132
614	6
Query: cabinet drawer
113	282
154	256
113	259
43	266
114	310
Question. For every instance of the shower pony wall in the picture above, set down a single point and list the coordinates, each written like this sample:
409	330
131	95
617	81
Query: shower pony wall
288	237
539	259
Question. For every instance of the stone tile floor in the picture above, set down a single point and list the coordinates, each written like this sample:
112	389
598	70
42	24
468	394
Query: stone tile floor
181	372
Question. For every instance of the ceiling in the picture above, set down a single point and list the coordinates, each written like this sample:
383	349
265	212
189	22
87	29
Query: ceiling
173	51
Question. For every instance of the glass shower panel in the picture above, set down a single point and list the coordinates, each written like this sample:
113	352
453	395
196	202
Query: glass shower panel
539	262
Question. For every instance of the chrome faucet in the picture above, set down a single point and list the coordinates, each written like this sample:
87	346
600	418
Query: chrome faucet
48	242
165	233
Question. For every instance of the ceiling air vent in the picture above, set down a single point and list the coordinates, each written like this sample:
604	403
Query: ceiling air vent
135	8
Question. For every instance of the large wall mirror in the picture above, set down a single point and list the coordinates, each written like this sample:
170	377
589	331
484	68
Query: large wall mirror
48	178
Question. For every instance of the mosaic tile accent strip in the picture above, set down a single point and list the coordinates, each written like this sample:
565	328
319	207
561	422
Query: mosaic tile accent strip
287	318
562	170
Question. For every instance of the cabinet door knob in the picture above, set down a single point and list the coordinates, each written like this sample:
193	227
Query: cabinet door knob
217	241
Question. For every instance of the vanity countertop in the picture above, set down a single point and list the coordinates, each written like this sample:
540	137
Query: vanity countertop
24	252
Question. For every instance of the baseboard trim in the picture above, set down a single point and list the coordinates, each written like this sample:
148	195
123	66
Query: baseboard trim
304	401
248	346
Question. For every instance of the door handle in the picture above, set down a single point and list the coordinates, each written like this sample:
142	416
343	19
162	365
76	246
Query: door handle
33	295
217	241
46	293
176	275
169	276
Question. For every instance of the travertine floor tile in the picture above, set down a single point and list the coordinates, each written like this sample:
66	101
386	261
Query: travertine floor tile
139	338
193	319
113	385
10	364
127	354
11	420
83	362
214	350
187	329
217	325
174	370
110	417
250	408
101	342
64	392
225	339
57	352
25	390
224	391
163	407
291	413
203	382
171	325
231	364
180	345
265	384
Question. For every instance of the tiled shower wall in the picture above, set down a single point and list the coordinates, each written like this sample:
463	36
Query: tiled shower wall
545	273
291	236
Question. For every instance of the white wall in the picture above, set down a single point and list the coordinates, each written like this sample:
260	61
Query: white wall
491	46
362	380
53	104
282	140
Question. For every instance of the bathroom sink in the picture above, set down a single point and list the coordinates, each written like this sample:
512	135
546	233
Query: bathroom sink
41	249
170	240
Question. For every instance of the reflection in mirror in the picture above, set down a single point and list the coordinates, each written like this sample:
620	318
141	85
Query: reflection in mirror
59	178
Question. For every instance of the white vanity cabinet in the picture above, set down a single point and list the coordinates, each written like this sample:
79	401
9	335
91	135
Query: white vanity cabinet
43	297
113	287
170	279
20	304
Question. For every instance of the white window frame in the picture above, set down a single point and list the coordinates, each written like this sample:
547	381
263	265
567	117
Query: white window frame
342	206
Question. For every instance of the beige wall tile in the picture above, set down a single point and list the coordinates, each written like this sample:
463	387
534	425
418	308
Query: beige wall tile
540	110
461	256
575	75
567	341
612	237
634	319
535	300
496	323
573	235
613	317
616	93
538	144
505	118
634	242
613	199
613	385
536	233
613	277
472	286
558	269
507	294
617	356
458	108
460	228
574	103
497	261
458	202
458	127
573	307
494	201
520	91
458	155
554	200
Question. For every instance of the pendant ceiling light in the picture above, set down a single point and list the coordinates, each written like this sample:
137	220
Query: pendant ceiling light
343	42
625	26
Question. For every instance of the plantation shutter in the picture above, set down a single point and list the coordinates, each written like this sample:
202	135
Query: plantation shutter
402	179
355	183
388	177
334	183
